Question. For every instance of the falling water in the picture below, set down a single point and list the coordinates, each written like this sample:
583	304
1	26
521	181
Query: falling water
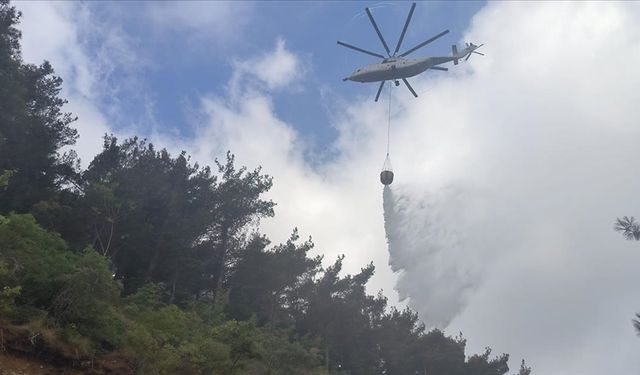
429	249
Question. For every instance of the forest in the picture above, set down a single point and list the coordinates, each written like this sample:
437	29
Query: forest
149	263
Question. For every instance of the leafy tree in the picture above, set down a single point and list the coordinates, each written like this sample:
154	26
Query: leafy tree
163	220
444	355
88	299
402	347
147	212
285	353
168	340
37	260
38	271
33	127
338	310
481	364
237	204
262	281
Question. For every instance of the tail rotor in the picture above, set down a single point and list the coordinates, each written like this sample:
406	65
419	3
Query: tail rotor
472	49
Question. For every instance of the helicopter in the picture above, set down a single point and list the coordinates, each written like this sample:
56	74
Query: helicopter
396	67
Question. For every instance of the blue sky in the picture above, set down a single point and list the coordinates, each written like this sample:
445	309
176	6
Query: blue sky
179	67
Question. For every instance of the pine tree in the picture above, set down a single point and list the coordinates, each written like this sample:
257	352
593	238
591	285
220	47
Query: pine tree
33	127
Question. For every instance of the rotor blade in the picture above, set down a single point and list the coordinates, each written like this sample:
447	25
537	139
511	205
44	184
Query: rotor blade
424	43
361	50
379	90
478	53
404	30
467	58
439	68
409	87
375	26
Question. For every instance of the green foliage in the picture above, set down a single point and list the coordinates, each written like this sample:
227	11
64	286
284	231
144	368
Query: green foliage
167	339
338	310
4	178
89	298
287	354
8	294
403	344
237	202
244	340
170	340
37	258
75	288
264	280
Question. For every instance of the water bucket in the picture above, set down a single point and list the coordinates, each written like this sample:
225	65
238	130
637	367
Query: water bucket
386	176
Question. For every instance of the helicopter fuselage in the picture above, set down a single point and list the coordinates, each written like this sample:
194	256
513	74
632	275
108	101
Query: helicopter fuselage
397	68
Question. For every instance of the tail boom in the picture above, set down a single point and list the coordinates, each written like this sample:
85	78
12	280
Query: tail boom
454	50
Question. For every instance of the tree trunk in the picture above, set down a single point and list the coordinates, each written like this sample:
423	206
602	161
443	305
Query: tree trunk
106	250
174	280
152	264
219	267
326	358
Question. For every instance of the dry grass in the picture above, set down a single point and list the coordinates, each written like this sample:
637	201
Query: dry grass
12	365
36	349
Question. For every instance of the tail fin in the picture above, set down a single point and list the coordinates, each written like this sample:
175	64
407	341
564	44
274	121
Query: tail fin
454	49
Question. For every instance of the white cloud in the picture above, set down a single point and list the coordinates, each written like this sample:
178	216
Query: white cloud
51	31
271	71
217	23
98	61
277	69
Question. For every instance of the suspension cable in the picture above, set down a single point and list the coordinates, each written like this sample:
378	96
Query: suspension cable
389	118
